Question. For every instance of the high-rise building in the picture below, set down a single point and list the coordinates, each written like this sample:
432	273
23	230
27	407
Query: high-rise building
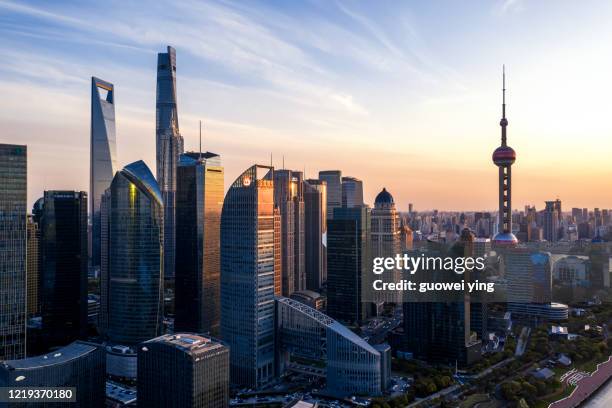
551	221
199	199
385	238
169	144
103	154
105	207
503	157
64	266
183	370
136	275
289	199
348	261
13	241
249	274
352	192
33	267
80	365
315	233
333	178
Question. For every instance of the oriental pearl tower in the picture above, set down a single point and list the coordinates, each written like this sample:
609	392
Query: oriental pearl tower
503	157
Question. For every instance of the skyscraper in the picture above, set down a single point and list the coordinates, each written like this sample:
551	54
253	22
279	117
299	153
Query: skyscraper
333	178
315	233
551	221
386	234
199	199
352	192
503	157
169	147
348	260
248	276
33	267
289	199
183	370
103	155
135	277
13	238
64	266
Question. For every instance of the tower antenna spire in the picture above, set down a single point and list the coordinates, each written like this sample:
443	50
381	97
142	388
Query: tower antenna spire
504	91
200	140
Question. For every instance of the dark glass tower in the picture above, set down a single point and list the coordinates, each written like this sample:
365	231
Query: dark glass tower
33	267
103	154
199	199
183	370
249	274
169	144
315	233
135	277
64	266
13	213
348	260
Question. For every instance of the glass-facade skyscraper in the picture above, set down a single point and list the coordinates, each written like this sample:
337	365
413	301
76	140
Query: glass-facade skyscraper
135	276
333	178
13	213
199	200
248	276
64	266
169	143
315	233
348	260
352	192
103	154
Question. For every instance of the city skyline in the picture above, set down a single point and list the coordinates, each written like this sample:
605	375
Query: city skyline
425	120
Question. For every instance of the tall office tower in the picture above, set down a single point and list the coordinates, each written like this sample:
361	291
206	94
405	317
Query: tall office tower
557	206
13	240
64	266
33	267
169	147
551	222
249	262
352	192
104	262
601	264
299	271
80	365
102	155
183	370
333	178
199	198
503	157
386	235
289	199
406	237
136	257
315	233
348	260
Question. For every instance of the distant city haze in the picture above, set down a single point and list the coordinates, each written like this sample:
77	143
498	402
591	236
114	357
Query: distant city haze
401	95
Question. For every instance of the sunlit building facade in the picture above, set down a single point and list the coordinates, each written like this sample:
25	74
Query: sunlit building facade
333	179
199	200
386	240
315	233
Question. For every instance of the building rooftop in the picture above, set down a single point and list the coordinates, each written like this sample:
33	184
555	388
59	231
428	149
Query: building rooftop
192	344
61	356
120	393
139	173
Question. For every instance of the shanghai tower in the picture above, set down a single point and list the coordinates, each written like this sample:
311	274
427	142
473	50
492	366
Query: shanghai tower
169	144
503	157
103	155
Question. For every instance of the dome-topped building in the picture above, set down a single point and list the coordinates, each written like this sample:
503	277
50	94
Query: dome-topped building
384	197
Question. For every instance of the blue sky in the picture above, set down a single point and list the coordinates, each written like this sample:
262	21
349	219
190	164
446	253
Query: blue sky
401	94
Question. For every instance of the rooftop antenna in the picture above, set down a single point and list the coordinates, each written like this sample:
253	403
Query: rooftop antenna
271	160
283	162
504	91
200	140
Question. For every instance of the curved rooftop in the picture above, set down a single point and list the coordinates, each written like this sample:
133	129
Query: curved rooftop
140	174
384	197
